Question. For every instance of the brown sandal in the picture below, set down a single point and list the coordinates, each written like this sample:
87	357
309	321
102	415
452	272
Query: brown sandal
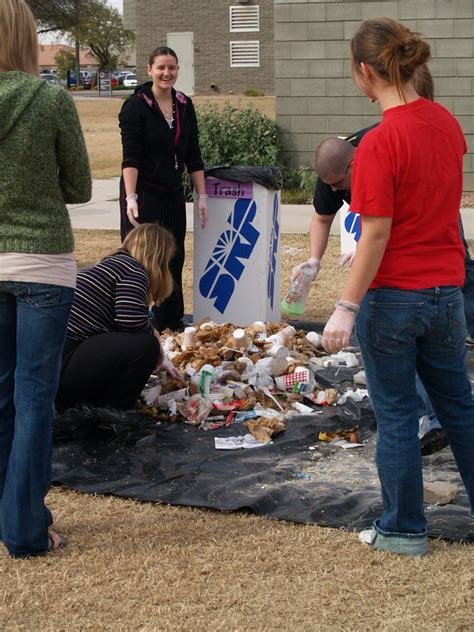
56	540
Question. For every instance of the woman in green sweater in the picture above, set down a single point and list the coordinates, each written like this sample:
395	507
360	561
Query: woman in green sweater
44	165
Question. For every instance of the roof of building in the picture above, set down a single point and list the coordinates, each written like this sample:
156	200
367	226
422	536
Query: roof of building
47	53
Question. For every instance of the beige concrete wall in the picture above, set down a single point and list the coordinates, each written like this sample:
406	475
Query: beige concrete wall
209	22
315	94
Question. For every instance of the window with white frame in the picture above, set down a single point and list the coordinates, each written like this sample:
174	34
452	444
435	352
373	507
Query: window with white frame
244	19
244	54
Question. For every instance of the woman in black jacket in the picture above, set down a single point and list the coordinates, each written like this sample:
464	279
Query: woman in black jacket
159	139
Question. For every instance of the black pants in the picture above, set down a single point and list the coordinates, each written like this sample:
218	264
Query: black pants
107	370
169	209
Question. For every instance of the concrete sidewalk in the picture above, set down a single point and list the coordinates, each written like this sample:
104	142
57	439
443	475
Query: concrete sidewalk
102	212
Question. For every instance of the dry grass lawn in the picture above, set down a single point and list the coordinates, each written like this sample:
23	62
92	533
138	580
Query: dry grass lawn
146	566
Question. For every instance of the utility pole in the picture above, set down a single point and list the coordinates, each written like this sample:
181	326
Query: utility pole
78	51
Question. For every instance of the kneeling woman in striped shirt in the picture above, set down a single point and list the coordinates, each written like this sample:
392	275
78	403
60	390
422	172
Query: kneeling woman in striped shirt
111	347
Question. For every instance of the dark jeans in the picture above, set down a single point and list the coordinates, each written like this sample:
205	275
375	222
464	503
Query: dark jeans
169	209
33	320
402	333
107	370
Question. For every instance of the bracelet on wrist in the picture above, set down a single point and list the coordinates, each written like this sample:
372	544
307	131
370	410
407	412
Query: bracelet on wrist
133	196
348	307
202	196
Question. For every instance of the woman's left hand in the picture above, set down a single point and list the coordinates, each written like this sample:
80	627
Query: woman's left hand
170	370
202	210
339	327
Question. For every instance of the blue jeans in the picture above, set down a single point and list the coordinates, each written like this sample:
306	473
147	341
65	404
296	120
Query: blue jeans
468	295
425	409
402	333
33	320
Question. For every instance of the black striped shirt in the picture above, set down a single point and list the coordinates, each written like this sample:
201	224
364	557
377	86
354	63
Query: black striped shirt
110	296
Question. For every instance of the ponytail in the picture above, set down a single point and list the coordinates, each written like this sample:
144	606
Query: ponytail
393	51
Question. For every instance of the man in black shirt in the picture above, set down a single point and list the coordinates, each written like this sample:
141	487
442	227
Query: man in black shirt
333	164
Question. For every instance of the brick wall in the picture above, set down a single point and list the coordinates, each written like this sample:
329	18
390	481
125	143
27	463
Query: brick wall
209	22
315	94
129	14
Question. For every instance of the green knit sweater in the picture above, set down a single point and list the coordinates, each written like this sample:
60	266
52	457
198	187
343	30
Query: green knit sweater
43	165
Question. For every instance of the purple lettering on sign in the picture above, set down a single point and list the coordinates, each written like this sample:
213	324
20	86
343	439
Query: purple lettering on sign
228	189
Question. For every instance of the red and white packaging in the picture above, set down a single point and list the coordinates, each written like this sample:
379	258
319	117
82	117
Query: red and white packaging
287	382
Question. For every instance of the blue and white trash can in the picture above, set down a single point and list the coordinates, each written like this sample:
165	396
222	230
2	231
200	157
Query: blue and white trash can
236	257
350	227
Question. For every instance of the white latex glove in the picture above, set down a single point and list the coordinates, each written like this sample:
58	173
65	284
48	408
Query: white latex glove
132	209
339	327
168	367
314	264
346	258
202	209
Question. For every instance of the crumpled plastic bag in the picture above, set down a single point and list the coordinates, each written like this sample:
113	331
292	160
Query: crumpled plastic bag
195	410
269	177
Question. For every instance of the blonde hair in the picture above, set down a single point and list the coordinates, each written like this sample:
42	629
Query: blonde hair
153	246
18	38
391	49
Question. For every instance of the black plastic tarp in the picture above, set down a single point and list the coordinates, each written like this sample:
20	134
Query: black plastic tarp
294	478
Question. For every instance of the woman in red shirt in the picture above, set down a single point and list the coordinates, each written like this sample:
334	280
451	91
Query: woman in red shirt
407	277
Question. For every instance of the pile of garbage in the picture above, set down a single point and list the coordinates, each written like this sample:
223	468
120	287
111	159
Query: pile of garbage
260	375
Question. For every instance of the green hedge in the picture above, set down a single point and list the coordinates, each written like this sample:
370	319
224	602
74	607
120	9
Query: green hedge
233	136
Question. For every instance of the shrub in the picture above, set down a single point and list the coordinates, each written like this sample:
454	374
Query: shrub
232	136
251	92
298	186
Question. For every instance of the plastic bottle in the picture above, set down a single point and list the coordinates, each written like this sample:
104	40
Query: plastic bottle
282	336
295	300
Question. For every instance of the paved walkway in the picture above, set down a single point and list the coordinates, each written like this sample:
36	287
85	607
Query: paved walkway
102	212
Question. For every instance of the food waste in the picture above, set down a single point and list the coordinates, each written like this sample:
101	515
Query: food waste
259	375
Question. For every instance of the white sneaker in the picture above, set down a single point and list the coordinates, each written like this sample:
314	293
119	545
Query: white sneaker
366	536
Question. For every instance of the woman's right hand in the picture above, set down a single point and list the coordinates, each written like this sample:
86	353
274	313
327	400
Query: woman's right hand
168	367
132	209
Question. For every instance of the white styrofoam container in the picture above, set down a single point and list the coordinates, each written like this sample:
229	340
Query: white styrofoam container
236	257
349	224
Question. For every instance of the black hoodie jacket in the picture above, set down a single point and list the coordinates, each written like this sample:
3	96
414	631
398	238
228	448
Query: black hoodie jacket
158	152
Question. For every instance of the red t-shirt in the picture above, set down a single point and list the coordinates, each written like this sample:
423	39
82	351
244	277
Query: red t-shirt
409	168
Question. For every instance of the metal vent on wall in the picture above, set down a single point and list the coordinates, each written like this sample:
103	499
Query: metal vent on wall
244	54
244	19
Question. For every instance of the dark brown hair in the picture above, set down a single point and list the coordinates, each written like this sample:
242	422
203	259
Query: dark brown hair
161	50
391	49
423	82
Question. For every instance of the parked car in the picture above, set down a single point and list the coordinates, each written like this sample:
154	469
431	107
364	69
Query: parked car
130	80
119	75
50	78
91	82
83	75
